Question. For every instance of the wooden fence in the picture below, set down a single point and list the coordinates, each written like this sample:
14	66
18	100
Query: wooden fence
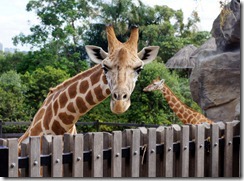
172	151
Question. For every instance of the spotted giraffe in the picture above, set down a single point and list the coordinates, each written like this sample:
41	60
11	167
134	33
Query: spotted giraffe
184	113
116	74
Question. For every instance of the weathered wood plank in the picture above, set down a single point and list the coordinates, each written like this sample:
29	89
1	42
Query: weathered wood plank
107	138
57	159
13	157
34	156
176	155
168	152
160	157
97	154
192	151
184	151
24	152
228	152
151	152
78	147
135	153
68	143
126	142
46	150
87	166
199	149
214	162
116	154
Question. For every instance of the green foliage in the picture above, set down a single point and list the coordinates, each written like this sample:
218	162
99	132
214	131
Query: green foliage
66	27
12	107
38	83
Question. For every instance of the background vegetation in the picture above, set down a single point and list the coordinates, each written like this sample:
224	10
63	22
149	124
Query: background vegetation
58	40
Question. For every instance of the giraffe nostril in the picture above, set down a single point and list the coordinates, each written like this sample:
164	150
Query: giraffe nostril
124	96
115	96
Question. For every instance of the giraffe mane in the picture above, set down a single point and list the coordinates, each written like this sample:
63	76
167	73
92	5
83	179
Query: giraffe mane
67	82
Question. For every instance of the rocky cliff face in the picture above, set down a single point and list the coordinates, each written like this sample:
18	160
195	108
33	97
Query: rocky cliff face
215	79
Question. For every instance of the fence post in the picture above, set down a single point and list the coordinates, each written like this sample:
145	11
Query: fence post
168	152
97	154
184	151
135	153
13	157
116	154
199	149
228	150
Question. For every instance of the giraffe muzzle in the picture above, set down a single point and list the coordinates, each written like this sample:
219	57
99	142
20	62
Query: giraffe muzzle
120	102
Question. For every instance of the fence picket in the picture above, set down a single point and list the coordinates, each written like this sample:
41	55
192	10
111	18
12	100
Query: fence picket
168	152
34	156
13	158
116	154
57	159
97	154
151	152
68	141
24	152
160	157
199	149
184	151
78	147
46	150
214	163
171	151
135	153
228	151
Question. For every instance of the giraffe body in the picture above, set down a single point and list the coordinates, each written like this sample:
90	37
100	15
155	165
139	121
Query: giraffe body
183	112
115	74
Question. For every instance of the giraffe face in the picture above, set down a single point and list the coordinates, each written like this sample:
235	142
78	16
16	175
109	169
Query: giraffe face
122	66
155	85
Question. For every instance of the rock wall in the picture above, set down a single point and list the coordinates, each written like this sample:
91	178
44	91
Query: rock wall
215	79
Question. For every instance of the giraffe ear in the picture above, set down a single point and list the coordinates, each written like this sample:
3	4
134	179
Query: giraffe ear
148	54
95	53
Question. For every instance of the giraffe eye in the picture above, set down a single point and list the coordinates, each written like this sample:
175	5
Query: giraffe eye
105	68
138	69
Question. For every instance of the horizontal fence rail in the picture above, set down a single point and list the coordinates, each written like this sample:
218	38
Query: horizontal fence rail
166	151
95	124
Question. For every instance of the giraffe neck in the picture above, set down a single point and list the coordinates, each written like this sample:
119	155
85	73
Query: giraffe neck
68	101
183	112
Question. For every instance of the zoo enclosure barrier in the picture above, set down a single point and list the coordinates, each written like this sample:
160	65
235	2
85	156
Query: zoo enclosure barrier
167	151
96	124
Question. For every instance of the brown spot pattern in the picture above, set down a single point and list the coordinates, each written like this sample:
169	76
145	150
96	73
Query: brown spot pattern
63	100
55	107
84	85
39	114
57	128
81	105
89	98
72	90
47	117
108	91
35	131
99	93
104	79
71	108
95	77
65	118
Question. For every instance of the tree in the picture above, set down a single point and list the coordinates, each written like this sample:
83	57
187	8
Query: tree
38	83
12	107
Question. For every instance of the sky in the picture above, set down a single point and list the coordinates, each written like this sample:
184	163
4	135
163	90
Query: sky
14	19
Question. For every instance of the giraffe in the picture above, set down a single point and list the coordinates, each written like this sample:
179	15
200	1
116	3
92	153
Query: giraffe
115	74
185	113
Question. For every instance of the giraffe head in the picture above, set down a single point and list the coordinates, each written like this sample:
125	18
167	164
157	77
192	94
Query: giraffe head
122	65
157	84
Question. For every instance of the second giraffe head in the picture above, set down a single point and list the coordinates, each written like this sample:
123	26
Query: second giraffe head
122	65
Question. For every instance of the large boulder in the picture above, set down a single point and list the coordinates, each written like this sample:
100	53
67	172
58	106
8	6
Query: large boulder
215	79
